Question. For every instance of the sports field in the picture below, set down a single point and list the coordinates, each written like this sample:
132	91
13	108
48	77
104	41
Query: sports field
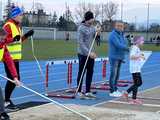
60	49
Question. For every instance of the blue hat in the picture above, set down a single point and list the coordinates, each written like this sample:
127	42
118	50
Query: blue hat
16	11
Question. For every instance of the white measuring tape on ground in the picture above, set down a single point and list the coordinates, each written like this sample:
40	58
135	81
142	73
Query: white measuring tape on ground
47	98
38	64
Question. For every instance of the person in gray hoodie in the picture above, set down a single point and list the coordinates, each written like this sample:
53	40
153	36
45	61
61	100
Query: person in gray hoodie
85	36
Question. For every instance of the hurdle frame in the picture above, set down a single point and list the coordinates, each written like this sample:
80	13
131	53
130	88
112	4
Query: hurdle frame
70	89
104	85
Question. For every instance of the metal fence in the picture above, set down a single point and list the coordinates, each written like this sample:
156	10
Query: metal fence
42	33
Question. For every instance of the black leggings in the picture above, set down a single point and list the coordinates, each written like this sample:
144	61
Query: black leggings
89	69
2	110
137	83
9	85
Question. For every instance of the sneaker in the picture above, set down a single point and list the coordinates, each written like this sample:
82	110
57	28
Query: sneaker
90	95
10	106
125	95
4	116
132	102
136	102
115	94
119	93
82	95
139	102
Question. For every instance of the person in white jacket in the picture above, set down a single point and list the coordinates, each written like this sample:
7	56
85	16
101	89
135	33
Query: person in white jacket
136	57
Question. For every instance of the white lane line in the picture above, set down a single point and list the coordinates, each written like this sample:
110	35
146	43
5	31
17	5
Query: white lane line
147	105
150	89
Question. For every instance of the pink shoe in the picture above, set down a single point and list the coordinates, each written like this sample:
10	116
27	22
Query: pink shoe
131	101
136	102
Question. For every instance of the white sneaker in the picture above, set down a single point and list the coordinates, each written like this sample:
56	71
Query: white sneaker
6	104
119	93
81	95
90	95
115	94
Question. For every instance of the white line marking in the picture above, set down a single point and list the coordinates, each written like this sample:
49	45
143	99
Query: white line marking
147	105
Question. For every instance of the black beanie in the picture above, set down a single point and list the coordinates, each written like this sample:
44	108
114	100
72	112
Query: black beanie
88	15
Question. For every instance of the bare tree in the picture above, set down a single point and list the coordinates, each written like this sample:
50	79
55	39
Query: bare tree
110	10
83	7
39	6
95	9
68	14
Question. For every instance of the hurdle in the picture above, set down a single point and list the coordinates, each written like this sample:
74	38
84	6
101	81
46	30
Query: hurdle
104	85
67	93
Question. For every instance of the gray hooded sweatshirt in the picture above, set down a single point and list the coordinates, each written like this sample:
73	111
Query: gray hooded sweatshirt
85	36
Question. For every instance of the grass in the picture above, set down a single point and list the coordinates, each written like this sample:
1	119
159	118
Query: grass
59	49
151	47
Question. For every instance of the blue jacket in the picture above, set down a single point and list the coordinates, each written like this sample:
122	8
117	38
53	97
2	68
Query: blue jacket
117	45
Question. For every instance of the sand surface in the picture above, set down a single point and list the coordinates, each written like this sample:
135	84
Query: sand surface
52	112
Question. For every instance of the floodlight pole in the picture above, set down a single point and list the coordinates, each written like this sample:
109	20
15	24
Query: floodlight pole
121	10
148	16
135	22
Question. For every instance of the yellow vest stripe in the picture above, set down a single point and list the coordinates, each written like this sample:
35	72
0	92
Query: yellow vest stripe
15	48
17	56
1	54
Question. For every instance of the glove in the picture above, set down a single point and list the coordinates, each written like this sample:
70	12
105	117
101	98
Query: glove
17	38
29	33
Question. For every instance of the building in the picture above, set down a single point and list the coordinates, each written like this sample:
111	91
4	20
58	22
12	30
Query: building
39	18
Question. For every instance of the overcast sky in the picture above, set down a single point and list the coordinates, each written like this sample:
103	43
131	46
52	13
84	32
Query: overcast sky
134	10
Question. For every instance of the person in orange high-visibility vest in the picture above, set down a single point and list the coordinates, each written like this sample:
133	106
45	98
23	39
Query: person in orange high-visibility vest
13	41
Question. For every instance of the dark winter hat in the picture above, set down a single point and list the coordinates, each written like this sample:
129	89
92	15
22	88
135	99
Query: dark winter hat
16	11
2	32
88	15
